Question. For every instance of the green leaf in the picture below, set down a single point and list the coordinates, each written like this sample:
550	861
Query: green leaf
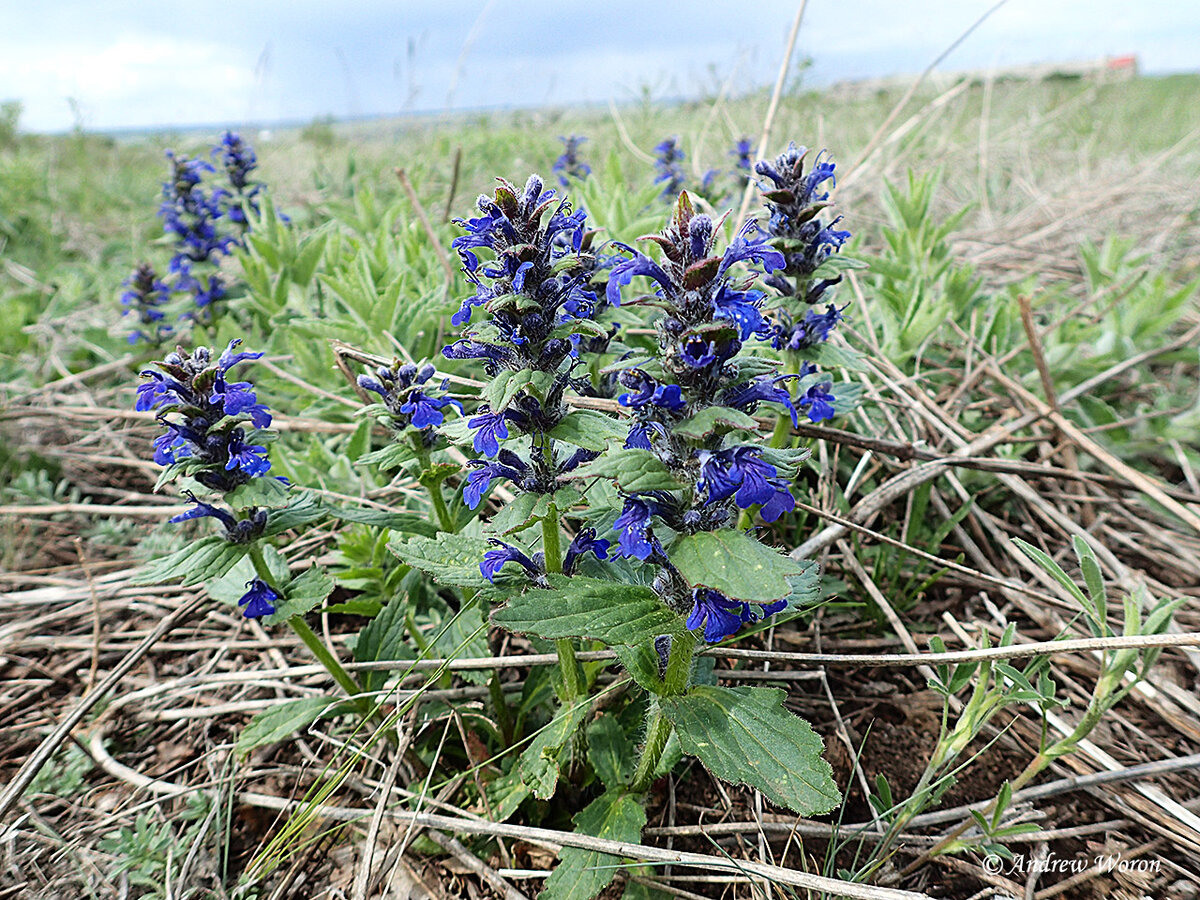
539	761
835	356
805	587
208	558
302	594
406	523
607	611
266	491
589	429
464	635
735	564
582	874
610	751
1054	570
642	663
1094	579
505	794
587	327
715	419
282	721
393	456
450	558
383	638
745	736
634	470
506	385
836	262
304	508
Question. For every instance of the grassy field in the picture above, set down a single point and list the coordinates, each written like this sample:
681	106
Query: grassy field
1024	342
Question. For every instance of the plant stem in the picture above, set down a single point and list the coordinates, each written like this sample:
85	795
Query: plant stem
445	520
658	732
311	641
658	726
573	688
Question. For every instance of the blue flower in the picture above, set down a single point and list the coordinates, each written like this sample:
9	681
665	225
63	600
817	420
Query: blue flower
743	309
144	299
742	152
584	542
201	510
237	157
748	395
229	358
509	466
723	617
491	429
741	473
624	272
237	531
818	398
633	527
746	247
239	397
209	408
494	560
250	458
645	390
815	328
464	348
259	599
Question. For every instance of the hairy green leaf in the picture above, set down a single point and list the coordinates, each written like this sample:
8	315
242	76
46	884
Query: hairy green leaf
715	419
208	558
449	558
735	564
745	736
589	429
383	638
582	874
282	721
608	611
406	523
538	763
634	470
610	751
302	594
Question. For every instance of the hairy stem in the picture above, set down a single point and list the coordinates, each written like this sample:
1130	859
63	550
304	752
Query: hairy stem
658	726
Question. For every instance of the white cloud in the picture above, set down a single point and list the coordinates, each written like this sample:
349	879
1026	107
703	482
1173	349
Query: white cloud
128	81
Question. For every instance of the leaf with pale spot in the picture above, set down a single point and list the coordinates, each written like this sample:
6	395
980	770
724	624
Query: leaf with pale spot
735	564
745	736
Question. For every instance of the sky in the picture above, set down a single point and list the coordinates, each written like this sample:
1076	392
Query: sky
121	64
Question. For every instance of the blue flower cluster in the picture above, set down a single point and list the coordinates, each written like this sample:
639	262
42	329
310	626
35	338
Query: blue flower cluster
206	222
709	312
795	200
569	165
535	288
238	159
146	297
406	394
208	432
205	415
668	164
